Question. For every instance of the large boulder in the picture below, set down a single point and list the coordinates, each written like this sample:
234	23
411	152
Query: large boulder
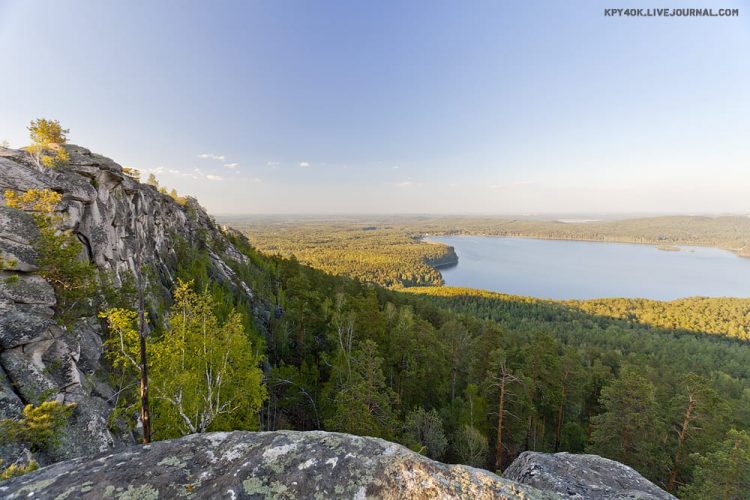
281	464
582	476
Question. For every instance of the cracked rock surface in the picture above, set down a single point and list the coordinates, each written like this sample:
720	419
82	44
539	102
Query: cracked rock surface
582	477
282	464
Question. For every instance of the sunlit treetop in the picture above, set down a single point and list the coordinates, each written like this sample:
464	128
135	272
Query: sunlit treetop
47	133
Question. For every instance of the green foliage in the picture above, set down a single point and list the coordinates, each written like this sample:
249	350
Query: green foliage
47	132
122	345
698	417
48	141
15	470
73	279
203	370
723	473
40	426
58	253
181	200
363	403
389	257
727	317
122	350
424	429
629	429
204	373
470	446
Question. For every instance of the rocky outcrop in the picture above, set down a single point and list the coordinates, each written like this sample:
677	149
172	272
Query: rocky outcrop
123	225
265	465
582	476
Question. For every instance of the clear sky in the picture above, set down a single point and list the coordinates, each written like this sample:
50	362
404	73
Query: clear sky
407	106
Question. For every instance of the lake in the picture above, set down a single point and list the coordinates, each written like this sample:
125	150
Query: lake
584	270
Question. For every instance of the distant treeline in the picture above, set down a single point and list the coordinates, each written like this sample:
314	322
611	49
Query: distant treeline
390	250
727	232
379	254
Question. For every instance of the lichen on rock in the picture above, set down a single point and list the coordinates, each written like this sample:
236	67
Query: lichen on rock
283	464
583	477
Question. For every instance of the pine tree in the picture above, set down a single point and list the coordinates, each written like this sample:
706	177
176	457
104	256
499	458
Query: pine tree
697	416
628	431
363	404
723	474
425	430
501	378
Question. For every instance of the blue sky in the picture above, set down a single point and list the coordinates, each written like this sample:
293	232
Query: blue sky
382	107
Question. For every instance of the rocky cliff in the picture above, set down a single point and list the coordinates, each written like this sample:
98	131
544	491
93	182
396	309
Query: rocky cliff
123	225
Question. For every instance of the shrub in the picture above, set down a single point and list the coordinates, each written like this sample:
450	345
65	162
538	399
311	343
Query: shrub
40	425
73	279
15	470
48	140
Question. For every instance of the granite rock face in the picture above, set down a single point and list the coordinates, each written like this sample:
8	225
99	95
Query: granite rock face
281	464
122	225
582	476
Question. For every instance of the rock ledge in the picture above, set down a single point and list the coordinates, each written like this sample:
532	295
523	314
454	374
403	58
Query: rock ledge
582	476
282	464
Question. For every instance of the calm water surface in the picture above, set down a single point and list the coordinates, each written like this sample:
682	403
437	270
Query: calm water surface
584	270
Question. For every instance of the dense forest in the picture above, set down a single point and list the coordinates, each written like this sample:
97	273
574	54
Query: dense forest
383	254
725	316
436	373
391	251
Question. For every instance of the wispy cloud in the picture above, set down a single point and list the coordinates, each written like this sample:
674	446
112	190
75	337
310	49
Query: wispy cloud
395	167
212	177
304	164
511	185
210	156
231	165
404	184
272	164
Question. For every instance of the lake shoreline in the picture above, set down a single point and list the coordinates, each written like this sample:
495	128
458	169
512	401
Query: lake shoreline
522	265
739	252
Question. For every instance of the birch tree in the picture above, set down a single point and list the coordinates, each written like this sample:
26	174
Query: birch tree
205	374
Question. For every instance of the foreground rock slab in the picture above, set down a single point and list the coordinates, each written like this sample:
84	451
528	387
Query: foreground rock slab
280	464
582	476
